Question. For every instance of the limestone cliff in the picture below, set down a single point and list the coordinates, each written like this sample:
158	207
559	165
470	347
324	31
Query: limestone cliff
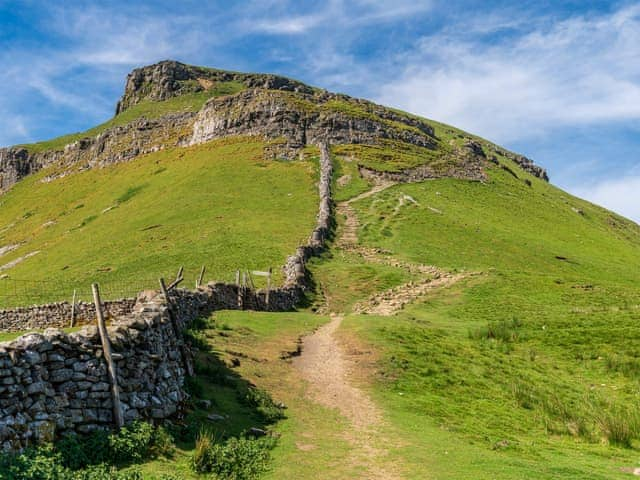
285	111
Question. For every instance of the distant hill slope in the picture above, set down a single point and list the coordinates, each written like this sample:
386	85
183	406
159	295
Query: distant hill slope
526	366
218	204
178	109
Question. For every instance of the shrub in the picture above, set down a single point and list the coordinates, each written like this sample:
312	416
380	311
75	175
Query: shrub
131	443
619	424
502	331
262	402
44	463
236	459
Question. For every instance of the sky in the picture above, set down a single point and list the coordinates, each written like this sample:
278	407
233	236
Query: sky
557	81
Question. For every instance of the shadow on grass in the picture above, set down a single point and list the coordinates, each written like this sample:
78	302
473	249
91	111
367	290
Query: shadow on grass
222	402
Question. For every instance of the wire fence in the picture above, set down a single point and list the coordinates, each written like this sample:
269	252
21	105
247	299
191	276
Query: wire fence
20	293
15	293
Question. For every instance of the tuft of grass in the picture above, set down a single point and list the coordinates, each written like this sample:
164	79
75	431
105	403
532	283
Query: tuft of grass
620	424
500	331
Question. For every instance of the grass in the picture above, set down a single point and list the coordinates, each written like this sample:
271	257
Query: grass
149	109
394	156
247	348
124	226
526	370
347	182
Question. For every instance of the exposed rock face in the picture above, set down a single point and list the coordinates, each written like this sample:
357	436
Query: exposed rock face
526	164
169	79
272	107
15	163
304	119
114	145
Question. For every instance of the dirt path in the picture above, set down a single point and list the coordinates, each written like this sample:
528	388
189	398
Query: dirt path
329	371
348	236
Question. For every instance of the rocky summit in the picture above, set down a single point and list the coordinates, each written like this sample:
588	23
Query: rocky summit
286	112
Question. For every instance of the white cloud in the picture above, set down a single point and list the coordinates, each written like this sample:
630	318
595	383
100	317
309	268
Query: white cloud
332	15
579	71
622	195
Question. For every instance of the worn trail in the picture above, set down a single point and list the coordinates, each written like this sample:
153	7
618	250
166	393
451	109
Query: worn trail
331	373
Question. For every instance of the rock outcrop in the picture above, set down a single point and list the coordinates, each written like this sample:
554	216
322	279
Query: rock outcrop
285	111
169	79
306	119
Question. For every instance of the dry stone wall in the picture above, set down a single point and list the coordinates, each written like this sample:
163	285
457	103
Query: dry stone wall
58	315
53	383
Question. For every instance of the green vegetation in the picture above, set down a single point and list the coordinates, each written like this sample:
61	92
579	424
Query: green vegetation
93	457
529	368
347	182
237	459
236	350
191	102
219	204
394	156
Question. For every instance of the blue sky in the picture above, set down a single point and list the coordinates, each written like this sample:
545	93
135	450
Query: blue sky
558	81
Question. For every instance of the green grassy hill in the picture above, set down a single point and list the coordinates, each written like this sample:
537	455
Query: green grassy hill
527	367
220	205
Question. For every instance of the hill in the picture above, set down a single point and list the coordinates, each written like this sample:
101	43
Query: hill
476	321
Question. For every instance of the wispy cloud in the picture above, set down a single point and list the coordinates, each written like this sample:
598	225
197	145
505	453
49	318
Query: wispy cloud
332	15
621	195
578	71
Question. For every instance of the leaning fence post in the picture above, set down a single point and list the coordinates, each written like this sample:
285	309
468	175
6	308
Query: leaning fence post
200	278
73	309
179	275
111	368
176	328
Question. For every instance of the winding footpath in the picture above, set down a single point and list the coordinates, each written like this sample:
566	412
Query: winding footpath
331	372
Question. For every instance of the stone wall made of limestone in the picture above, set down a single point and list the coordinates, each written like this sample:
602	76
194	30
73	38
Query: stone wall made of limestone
58	315
54	382
295	268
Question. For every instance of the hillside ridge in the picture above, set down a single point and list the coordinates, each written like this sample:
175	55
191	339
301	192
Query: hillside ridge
171	104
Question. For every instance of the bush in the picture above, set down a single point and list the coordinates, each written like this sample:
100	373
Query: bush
619	424
88	458
502	331
236	459
262	402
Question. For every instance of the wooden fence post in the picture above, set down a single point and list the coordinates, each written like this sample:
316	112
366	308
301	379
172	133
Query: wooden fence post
179	275
73	309
268	287
240	306
176	329
201	277
106	349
